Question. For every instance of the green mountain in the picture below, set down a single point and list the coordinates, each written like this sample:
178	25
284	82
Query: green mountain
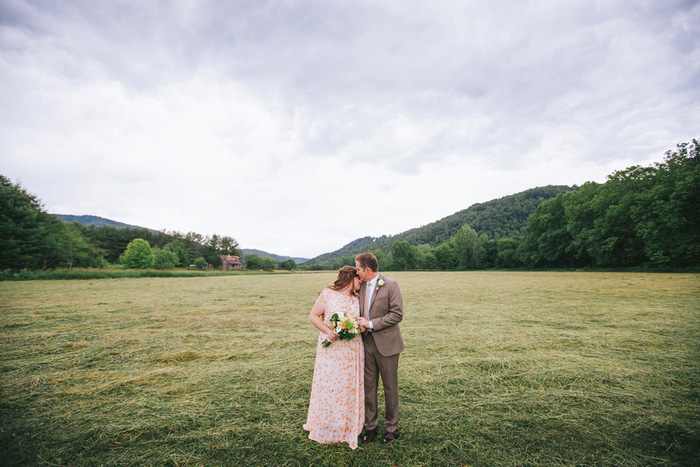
96	221
101	221
499	218
278	258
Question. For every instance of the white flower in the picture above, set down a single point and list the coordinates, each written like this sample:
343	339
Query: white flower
380	283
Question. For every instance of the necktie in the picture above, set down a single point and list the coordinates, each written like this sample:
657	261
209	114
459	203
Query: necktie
369	299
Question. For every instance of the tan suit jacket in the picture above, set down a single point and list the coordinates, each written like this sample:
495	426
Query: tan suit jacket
385	312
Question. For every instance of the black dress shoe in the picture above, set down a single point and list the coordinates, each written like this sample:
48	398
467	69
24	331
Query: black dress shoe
389	437
368	436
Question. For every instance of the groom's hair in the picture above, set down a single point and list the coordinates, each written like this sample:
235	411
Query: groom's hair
368	260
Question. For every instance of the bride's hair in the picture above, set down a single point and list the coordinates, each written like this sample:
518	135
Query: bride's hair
345	276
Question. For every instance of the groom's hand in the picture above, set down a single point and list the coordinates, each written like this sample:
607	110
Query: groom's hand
364	324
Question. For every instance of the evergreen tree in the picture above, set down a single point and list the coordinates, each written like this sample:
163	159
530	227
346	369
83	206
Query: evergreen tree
30	238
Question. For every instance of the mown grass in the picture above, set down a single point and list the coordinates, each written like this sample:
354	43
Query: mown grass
500	368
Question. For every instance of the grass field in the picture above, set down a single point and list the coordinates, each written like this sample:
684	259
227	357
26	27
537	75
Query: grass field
500	368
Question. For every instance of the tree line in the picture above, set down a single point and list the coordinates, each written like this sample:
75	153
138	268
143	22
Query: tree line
32	239
640	217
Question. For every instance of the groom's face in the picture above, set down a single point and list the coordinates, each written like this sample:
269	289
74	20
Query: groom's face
362	272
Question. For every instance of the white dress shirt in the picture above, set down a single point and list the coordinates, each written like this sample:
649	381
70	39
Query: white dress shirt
370	288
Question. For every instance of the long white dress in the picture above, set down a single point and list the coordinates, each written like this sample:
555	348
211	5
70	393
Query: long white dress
337	405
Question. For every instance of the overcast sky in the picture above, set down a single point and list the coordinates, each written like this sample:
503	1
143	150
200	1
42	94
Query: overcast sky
298	126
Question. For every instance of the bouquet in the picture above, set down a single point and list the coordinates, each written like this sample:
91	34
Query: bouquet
345	325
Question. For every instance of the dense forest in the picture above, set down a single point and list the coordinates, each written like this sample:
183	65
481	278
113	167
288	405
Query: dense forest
640	217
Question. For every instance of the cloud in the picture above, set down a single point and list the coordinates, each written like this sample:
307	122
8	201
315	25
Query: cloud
298	127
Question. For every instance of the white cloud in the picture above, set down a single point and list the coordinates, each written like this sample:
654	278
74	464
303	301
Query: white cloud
277	123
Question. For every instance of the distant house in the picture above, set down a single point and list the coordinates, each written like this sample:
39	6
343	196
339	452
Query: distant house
230	262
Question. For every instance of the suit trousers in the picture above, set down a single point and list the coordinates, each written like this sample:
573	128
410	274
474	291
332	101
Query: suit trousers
387	367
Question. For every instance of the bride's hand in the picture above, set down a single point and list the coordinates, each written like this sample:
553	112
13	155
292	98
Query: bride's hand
331	336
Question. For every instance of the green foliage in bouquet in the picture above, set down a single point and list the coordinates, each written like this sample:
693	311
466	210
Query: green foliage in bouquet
345	326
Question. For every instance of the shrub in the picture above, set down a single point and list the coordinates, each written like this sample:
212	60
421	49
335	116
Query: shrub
164	258
138	255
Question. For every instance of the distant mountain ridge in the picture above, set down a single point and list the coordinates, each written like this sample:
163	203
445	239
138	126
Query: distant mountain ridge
101	221
97	221
498	218
278	258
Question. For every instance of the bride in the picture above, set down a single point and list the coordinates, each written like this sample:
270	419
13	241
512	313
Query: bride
337	405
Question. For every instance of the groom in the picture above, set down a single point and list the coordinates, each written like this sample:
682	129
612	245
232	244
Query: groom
381	310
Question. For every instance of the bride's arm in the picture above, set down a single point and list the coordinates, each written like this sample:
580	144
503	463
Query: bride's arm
315	318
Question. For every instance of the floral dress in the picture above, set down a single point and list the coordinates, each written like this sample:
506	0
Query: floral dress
337	405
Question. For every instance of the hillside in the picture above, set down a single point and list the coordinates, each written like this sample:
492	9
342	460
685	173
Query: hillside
278	258
101	221
96	221
499	218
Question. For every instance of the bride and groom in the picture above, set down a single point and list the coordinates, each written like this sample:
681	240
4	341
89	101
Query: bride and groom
346	373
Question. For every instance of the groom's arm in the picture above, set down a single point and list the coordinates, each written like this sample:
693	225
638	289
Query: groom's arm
395	313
